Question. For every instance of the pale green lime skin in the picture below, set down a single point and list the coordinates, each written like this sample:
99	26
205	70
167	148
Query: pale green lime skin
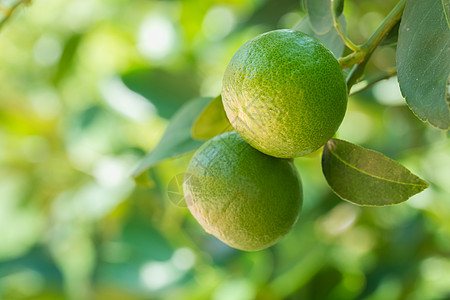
284	93
243	197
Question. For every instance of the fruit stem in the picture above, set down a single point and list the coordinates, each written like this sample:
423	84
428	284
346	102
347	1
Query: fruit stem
351	59
372	43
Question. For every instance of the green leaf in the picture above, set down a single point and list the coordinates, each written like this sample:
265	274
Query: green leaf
366	177
319	12
423	61
338	6
177	138
392	36
330	39
168	91
67	57
303	5
446	6
212	121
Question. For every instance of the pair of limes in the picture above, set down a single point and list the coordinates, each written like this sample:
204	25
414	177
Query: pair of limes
285	95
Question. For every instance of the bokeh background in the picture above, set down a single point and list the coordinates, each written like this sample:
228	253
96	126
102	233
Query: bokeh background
87	88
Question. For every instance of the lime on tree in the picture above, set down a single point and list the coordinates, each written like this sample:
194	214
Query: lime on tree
284	93
245	198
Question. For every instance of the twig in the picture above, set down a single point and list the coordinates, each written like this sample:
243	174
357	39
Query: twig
340	32
8	11
351	59
374	81
368	47
390	21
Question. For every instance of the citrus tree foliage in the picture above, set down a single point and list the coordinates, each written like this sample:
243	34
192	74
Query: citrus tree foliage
95	92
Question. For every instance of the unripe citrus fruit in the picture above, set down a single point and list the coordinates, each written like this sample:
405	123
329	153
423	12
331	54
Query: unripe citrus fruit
284	93
243	197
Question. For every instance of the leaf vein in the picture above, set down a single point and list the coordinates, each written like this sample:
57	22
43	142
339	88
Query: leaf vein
436	57
372	175
419	25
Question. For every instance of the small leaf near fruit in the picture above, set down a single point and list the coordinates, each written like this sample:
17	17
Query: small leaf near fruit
366	177
211	121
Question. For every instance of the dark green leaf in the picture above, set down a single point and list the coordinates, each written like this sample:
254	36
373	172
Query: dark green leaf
330	39
212	121
446	6
319	12
168	91
338	6
177	138
366	177
423	61
67	57
392	36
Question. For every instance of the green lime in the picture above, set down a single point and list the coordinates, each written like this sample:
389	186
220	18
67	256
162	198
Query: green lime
284	93
245	198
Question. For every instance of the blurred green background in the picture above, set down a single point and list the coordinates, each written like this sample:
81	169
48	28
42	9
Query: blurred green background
87	89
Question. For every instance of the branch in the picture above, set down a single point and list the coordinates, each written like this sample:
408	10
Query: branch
356	73
372	43
8	11
340	32
351	59
371	83
390	21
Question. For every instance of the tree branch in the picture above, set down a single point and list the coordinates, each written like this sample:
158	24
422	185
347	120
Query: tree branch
372	43
8	11
340	32
371	83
